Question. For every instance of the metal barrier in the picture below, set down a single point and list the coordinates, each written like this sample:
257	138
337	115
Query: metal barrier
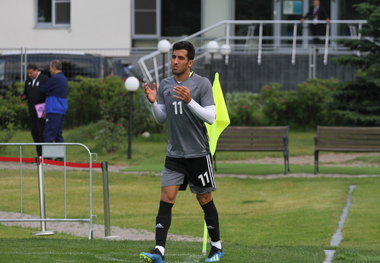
298	43
50	150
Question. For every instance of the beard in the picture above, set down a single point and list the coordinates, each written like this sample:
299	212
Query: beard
178	71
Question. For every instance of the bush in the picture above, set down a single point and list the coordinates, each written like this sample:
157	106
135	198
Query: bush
92	100
12	109
304	108
243	109
6	135
110	136
103	105
309	106
274	105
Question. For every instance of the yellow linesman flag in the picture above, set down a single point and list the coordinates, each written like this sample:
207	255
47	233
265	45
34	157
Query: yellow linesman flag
222	118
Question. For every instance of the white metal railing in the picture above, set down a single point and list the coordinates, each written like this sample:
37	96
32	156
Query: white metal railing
150	68
53	150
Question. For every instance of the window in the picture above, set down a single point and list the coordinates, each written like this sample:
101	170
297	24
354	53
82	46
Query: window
253	10
145	17
2	69
155	18
53	13
180	18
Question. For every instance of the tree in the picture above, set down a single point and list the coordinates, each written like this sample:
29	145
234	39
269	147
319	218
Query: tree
357	102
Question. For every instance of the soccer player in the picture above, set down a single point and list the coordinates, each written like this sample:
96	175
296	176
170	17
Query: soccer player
186	102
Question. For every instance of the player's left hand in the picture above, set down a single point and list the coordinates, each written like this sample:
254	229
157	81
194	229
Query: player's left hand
183	94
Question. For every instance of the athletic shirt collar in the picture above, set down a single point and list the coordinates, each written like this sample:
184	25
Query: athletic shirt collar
190	75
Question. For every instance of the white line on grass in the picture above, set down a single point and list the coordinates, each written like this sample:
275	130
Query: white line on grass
338	236
107	258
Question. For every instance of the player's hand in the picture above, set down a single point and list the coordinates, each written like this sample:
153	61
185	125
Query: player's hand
151	93
183	94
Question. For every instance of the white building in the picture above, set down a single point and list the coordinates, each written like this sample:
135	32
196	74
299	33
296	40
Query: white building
139	23
65	23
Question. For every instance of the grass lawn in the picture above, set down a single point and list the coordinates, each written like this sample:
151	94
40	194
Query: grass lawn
287	220
280	220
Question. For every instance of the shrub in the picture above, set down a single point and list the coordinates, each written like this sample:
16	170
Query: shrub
110	136
12	109
84	100
243	109
309	107
303	108
274	104
6	135
92	100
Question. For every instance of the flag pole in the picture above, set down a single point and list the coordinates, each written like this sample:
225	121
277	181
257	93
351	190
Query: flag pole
222	120
204	246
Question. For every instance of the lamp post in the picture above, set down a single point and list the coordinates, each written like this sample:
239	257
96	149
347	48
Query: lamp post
131	84
226	51
164	47
212	48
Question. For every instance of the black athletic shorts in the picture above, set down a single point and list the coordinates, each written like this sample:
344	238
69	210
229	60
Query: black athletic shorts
197	172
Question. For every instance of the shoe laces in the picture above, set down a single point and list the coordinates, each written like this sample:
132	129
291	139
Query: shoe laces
156	251
213	251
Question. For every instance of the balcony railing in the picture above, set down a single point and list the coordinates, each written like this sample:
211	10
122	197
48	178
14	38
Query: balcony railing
269	39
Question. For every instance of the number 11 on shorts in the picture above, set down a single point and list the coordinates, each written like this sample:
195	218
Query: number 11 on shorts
202	178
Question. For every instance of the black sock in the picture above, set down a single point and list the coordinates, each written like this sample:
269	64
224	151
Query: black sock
212	220
163	221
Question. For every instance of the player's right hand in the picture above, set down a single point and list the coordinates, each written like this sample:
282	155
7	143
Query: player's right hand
151	93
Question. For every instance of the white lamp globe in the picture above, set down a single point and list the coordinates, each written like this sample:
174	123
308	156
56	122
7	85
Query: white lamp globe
225	49
212	46
164	46
132	84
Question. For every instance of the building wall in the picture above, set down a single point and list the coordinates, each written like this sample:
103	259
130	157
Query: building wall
214	12
94	24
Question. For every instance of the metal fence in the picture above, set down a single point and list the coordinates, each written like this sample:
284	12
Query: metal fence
260	57
93	63
50	150
256	60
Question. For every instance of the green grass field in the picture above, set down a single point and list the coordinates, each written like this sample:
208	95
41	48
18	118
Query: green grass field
289	220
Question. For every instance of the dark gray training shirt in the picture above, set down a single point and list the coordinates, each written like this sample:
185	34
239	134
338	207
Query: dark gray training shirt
187	133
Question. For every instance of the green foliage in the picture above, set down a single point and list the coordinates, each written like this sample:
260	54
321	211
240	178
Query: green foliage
6	134
307	106
274	104
355	102
12	109
110	136
302	108
84	101
93	100
243	109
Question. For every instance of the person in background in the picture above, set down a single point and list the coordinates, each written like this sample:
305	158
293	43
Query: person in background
185	101
315	13
56	90
34	96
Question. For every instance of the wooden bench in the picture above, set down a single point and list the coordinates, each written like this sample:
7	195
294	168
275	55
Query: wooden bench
255	139
345	139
